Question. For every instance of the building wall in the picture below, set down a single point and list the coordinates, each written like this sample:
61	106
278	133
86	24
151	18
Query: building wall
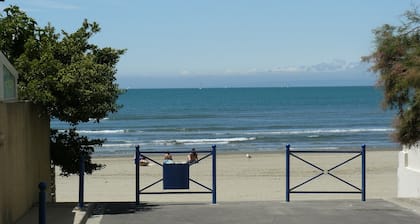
409	172
24	158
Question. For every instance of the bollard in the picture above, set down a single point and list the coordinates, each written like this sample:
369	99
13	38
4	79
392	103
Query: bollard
42	204
81	181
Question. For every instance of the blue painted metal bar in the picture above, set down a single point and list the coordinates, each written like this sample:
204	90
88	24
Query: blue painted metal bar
363	172
81	181
326	151
309	180
326	192
137	161
150	185
307	162
179	192
213	151
202	185
153	161
354	157
175	152
344	181
42	203
209	154
287	172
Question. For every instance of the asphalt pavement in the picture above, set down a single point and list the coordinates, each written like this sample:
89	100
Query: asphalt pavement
315	212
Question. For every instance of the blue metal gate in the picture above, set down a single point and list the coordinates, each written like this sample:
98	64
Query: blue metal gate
176	176
294	190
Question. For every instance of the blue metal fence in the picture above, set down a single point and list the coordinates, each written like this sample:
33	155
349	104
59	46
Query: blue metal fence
294	153
171	171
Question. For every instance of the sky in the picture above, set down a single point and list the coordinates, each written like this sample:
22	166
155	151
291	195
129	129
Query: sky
230	43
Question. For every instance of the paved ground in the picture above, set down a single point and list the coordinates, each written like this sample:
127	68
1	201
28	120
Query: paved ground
60	213
314	212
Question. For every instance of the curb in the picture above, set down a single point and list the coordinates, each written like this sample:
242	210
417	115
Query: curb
82	215
412	204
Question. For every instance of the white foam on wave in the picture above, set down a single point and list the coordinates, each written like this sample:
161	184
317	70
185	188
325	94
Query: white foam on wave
101	131
117	131
94	119
203	141
314	132
124	145
217	143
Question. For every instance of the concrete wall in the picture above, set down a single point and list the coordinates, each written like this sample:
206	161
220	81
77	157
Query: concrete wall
24	158
409	172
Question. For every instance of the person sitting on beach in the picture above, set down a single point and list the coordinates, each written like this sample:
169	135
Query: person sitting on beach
192	157
167	158
142	161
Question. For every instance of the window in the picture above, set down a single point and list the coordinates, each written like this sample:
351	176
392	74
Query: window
9	83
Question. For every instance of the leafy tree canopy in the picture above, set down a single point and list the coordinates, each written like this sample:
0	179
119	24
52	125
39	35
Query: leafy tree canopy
71	78
396	59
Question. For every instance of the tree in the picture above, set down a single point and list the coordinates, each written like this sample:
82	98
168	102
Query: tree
397	60
72	79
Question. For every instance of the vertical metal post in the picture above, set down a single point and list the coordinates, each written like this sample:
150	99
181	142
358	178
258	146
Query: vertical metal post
287	172
214	173
42	203
81	181
137	161
363	172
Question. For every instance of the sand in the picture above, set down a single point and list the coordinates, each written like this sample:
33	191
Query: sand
259	178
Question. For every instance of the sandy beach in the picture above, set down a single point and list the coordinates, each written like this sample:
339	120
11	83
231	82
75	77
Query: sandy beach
259	178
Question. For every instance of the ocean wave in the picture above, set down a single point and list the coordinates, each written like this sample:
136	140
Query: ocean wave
94	119
124	145
203	141
315	132
118	131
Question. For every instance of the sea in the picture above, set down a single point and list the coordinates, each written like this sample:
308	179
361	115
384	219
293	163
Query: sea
244	120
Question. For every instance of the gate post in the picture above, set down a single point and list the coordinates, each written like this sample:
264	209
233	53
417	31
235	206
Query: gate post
137	161
288	172
213	151
363	172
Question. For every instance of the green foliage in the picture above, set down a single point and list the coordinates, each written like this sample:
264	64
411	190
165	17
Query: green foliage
397	60
68	147
16	28
71	78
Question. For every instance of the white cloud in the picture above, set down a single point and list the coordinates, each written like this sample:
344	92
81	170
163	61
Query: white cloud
239	72
333	66
185	72
288	69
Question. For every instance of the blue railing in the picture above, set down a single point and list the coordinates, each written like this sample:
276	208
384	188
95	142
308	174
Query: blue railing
168	167
357	190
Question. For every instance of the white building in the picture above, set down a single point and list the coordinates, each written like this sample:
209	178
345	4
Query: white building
409	172
8	80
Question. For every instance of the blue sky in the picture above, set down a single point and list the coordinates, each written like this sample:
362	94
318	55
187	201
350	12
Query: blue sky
230	43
